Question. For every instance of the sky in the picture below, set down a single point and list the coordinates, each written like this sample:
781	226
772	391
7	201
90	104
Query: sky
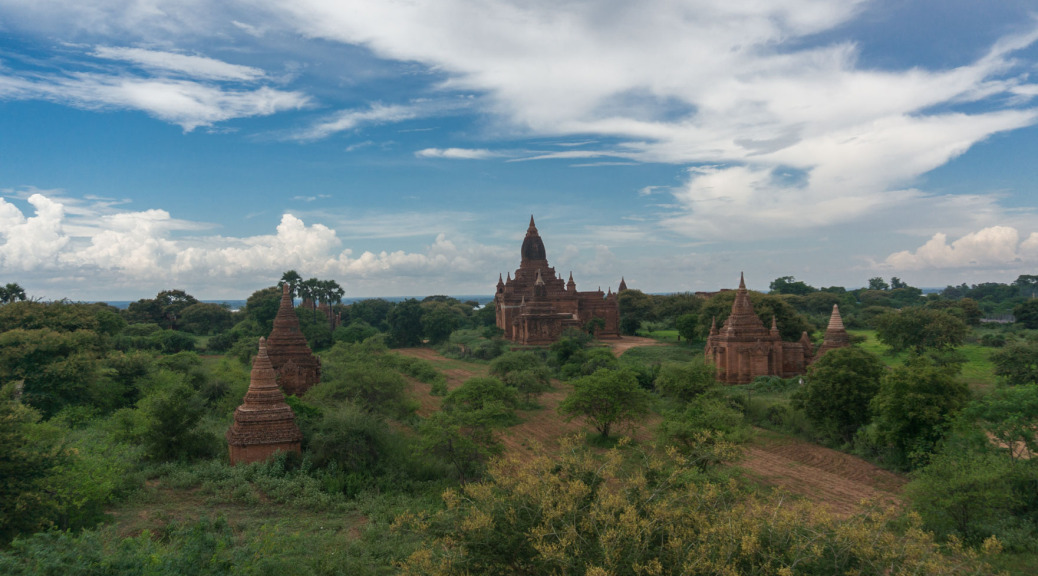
400	147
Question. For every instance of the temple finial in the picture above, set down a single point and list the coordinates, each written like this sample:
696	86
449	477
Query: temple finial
742	282
532	225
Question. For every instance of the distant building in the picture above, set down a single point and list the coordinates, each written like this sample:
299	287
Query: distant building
536	306
264	423
744	349
295	364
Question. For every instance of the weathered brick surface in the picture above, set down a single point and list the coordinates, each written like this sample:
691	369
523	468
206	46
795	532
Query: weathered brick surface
295	364
264	423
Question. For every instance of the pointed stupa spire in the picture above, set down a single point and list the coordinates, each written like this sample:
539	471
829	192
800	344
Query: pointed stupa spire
622	286
713	326
774	326
533	253
835	334
743	321
297	367
835	320
571	286
264	423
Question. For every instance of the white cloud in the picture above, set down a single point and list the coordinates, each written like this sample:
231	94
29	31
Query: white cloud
126	252
186	103
456	153
199	67
350	119
715	83
993	247
33	242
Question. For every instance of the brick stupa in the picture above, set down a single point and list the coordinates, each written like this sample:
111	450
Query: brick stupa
835	334
264	423
295	364
744	349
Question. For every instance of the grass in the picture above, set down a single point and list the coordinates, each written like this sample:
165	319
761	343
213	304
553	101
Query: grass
661	335
649	355
978	371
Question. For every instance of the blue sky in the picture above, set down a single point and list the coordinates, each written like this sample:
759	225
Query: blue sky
400	147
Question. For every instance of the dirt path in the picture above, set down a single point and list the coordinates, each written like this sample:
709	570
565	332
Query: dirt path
839	480
627	342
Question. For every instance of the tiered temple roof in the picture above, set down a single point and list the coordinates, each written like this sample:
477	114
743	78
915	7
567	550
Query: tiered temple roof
264	423
537	305
296	366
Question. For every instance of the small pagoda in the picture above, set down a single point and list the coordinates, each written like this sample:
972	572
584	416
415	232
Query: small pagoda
264	423
835	334
295	364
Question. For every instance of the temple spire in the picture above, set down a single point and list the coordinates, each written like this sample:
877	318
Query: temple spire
742	281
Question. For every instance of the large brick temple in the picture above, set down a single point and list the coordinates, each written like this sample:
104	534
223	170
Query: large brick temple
264	423
744	349
295	364
537	305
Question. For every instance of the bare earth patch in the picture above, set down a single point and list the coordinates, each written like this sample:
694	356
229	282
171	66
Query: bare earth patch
841	481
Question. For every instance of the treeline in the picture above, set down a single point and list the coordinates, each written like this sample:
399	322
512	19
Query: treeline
800	307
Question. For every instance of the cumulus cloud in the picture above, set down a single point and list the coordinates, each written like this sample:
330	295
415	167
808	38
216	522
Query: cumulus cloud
993	247
33	242
150	250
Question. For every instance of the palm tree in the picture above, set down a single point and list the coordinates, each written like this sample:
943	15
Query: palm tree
293	279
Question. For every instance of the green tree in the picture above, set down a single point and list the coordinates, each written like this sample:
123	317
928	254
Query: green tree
363	374
914	407
11	292
705	430
293	279
261	308
837	390
605	399
684	381
1027	314
29	454
206	318
57	369
438	322
635	307
1017	363
878	283
405	324
790	285
171	416
964	491
919	329
524	371
686	325
463	432
1008	415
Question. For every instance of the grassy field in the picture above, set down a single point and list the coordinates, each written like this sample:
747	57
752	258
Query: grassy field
978	371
